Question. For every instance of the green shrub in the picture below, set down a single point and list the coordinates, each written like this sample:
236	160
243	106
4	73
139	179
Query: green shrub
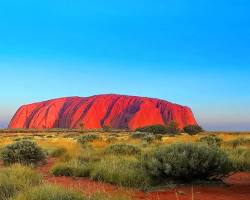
50	192
155	129
24	152
123	149
120	170
211	140
87	138
148	138
171	128
72	168
142	135
15	179
187	162
62	170
138	135
192	129
240	158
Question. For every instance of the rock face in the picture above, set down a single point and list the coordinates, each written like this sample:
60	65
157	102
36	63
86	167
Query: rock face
116	111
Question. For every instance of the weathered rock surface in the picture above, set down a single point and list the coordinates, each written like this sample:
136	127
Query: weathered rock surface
116	111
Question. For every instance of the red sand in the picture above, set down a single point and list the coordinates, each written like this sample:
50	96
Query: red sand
237	188
117	111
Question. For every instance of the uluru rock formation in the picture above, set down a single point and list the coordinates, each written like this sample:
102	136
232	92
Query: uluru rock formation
116	111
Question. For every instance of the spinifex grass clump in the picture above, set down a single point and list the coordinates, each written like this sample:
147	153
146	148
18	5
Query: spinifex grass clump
139	134
148	139
123	149
241	158
15	179
55	192
121	170
24	152
187	162
50	192
111	139
57	152
88	138
239	142
72	168
211	140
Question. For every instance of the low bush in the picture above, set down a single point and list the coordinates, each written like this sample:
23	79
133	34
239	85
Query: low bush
138	135
50	192
87	138
211	140
123	171
15	179
24	152
72	168
171	128
62	169
187	162
155	129
123	149
148	138
193	129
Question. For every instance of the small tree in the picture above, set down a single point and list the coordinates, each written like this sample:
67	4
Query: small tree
192	129
173	128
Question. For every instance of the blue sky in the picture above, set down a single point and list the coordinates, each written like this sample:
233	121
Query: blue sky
195	53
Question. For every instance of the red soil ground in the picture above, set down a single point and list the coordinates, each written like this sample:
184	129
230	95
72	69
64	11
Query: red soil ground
237	188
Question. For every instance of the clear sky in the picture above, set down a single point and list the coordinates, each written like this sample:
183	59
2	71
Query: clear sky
195	53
